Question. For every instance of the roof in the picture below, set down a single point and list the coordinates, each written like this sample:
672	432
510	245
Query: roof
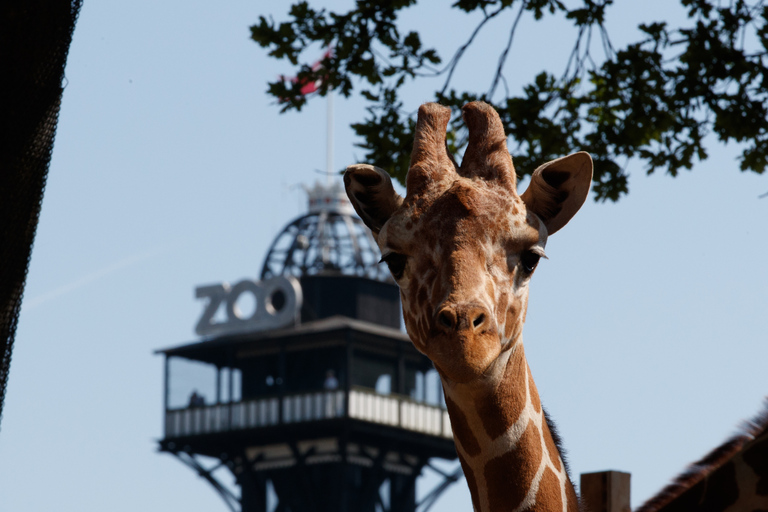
314	328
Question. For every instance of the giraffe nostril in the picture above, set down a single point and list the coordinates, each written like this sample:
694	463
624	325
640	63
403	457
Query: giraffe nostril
479	320
446	319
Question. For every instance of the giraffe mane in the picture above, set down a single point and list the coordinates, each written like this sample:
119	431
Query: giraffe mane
697	471
558	440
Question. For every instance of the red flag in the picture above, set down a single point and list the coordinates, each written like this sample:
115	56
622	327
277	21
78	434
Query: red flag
308	87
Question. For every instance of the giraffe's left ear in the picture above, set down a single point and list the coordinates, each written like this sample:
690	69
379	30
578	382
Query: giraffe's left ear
371	193
558	189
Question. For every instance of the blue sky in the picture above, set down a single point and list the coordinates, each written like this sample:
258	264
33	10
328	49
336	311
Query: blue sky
646	330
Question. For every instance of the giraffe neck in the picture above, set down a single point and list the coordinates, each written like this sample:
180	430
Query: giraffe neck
505	446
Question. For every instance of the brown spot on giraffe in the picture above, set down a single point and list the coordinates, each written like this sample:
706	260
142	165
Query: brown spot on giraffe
549	491
470	243
502	495
535	399
503	407
513	322
469	475
461	430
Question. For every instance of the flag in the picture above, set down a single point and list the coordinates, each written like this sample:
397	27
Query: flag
308	87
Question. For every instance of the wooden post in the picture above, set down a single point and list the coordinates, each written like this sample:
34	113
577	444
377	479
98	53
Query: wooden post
605	491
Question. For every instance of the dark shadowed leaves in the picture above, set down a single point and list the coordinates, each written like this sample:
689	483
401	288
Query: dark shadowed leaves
654	100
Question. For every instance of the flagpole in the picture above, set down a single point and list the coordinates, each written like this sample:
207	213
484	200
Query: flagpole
329	140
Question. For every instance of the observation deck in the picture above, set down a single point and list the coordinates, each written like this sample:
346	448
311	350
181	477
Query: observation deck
274	386
303	385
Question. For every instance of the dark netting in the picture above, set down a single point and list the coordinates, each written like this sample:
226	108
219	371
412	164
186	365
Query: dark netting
34	40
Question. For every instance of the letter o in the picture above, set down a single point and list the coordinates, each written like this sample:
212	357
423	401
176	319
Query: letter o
246	285
282	301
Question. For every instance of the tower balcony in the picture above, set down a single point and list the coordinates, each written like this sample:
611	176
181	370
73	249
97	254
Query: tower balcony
338	379
359	404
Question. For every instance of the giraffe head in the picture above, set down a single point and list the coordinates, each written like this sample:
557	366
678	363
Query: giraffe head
462	245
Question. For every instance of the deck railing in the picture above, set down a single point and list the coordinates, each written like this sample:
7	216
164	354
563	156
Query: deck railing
361	404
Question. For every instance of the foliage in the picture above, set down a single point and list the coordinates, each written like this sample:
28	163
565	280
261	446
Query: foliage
654	100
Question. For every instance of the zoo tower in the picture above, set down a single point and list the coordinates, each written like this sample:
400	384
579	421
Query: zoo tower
302	385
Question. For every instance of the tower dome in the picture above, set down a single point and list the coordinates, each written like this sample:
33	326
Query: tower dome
329	240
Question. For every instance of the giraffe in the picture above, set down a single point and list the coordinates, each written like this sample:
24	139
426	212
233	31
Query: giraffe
731	478
462	246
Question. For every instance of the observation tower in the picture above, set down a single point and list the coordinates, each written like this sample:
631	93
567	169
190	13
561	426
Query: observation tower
302	384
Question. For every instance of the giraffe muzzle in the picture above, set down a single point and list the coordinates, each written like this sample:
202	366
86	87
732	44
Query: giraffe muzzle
462	319
464	340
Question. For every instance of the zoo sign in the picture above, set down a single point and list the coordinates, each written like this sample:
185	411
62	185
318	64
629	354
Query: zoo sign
278	304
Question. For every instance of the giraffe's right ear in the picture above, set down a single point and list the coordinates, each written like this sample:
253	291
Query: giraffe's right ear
371	193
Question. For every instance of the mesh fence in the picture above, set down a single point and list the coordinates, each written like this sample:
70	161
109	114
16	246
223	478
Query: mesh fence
34	40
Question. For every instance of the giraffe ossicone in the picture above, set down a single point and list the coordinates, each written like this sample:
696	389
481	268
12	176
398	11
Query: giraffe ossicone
463	245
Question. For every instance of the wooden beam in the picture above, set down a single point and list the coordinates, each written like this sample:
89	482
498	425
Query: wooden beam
605	491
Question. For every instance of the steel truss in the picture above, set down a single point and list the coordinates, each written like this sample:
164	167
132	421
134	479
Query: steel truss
321	243
297	488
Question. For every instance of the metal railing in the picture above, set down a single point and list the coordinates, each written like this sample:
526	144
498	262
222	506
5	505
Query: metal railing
361	404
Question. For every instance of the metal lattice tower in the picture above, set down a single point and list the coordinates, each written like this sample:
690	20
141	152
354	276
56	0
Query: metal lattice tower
330	239
316	401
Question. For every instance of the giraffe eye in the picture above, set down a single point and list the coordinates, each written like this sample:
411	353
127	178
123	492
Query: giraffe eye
396	263
529	260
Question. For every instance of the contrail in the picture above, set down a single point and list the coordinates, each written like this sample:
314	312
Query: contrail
93	276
